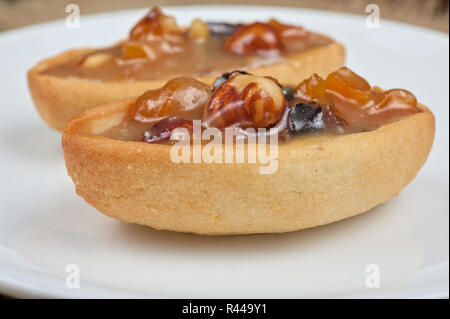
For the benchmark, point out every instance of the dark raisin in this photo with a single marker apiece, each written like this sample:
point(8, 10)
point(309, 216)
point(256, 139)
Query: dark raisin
point(160, 132)
point(225, 77)
point(288, 92)
point(305, 118)
point(219, 28)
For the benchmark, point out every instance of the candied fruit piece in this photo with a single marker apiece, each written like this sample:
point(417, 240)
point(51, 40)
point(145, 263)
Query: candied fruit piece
point(160, 133)
point(331, 121)
point(185, 97)
point(154, 25)
point(389, 106)
point(349, 102)
point(311, 89)
point(199, 30)
point(288, 92)
point(349, 85)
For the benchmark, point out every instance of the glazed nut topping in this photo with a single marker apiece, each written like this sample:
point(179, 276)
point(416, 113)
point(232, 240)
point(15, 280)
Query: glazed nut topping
point(199, 30)
point(95, 60)
point(245, 101)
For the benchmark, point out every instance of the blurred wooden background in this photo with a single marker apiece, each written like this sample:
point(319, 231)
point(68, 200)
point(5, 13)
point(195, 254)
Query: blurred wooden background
point(430, 13)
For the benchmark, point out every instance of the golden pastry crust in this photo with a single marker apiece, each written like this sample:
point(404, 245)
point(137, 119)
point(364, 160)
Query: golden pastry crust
point(58, 99)
point(319, 179)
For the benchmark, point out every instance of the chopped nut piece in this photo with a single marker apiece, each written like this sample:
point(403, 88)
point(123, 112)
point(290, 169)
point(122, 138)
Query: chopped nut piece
point(160, 133)
point(288, 31)
point(198, 30)
point(220, 28)
point(245, 101)
point(305, 118)
point(94, 60)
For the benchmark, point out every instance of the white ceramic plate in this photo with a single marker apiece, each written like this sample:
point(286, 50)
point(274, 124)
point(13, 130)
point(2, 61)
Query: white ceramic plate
point(44, 225)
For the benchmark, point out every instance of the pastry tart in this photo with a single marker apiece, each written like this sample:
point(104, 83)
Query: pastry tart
point(157, 50)
point(343, 147)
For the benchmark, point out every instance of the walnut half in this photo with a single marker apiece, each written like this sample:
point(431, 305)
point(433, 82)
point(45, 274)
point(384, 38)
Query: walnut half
point(245, 101)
